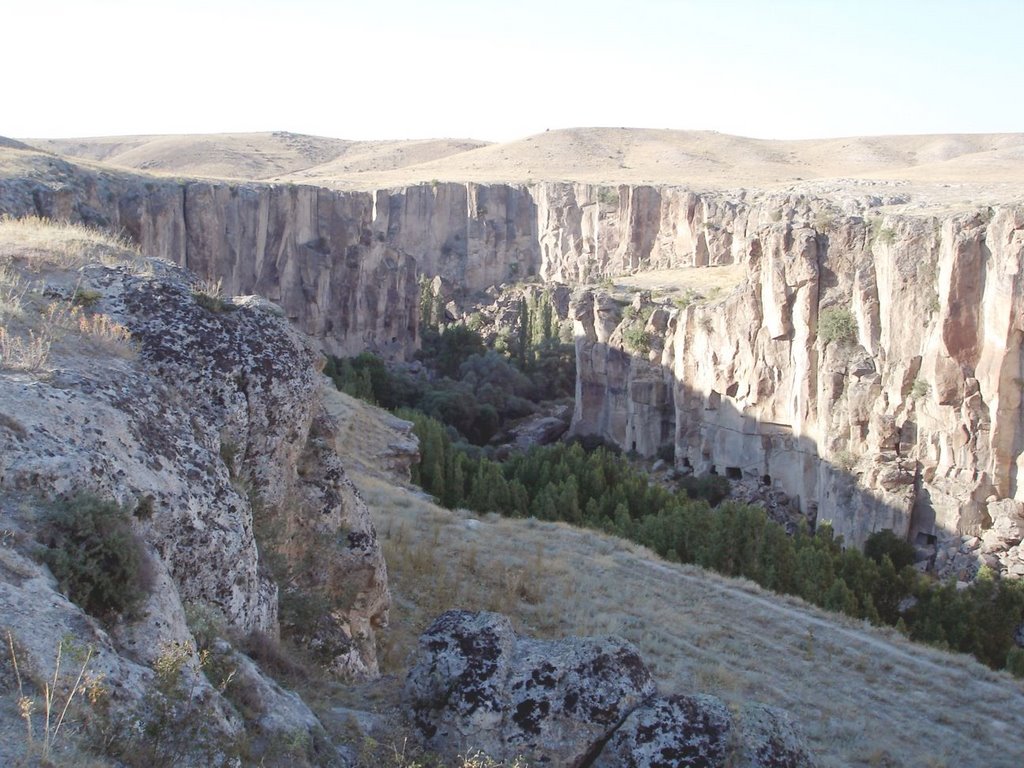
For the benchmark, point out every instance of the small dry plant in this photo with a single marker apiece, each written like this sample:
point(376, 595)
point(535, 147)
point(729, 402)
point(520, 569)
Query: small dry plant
point(24, 353)
point(30, 349)
point(57, 696)
point(408, 755)
point(209, 294)
point(12, 292)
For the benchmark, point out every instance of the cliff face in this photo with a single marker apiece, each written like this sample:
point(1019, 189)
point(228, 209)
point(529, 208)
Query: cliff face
point(345, 265)
point(870, 369)
point(907, 417)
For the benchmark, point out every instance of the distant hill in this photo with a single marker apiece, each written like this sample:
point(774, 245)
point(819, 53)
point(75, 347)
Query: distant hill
point(253, 156)
point(596, 155)
point(12, 144)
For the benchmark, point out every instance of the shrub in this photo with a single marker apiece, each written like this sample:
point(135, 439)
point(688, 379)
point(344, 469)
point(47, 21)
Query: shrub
point(844, 459)
point(1015, 662)
point(886, 543)
point(96, 557)
point(837, 325)
point(920, 389)
point(637, 339)
point(823, 221)
point(711, 488)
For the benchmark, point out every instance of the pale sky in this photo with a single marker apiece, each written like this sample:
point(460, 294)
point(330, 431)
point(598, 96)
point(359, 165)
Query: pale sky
point(503, 70)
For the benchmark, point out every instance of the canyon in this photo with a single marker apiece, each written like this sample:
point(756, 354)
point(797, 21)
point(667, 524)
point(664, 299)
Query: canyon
point(909, 419)
point(845, 350)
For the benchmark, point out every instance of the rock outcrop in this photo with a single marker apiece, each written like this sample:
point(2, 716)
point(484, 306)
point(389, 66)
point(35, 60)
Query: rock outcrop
point(204, 416)
point(909, 419)
point(870, 369)
point(476, 684)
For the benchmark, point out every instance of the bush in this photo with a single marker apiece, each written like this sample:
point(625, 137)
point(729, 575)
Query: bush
point(920, 389)
point(886, 543)
point(1015, 662)
point(637, 339)
point(96, 557)
point(711, 488)
point(837, 325)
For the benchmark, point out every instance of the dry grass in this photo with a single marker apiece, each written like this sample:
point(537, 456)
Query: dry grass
point(863, 696)
point(24, 353)
point(683, 285)
point(43, 244)
point(12, 292)
point(40, 261)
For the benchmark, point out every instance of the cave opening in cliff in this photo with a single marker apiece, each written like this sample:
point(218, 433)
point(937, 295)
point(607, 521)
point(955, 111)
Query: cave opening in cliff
point(733, 473)
point(766, 479)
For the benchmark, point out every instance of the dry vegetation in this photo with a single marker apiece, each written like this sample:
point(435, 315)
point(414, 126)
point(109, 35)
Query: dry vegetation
point(681, 286)
point(864, 696)
point(43, 299)
point(973, 164)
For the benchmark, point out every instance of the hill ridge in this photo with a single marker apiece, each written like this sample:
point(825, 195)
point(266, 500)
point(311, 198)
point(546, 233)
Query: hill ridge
point(594, 155)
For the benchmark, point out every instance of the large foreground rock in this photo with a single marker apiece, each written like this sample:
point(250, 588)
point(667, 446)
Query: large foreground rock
point(477, 685)
point(700, 731)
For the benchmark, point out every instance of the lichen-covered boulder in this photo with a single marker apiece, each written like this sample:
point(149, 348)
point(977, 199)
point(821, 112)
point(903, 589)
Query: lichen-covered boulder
point(700, 732)
point(671, 732)
point(769, 739)
point(475, 684)
point(210, 425)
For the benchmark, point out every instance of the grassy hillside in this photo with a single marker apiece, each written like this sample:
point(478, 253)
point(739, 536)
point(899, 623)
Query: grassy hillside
point(863, 696)
point(992, 162)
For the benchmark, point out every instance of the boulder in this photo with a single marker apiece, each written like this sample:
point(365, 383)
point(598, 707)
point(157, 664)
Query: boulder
point(475, 684)
point(671, 732)
point(679, 731)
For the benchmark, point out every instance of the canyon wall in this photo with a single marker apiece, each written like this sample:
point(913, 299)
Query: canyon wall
point(905, 414)
point(868, 367)
point(345, 266)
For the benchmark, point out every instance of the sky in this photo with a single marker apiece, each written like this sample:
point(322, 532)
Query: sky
point(499, 71)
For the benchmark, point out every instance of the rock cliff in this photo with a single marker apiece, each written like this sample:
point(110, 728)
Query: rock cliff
point(905, 414)
point(345, 265)
point(868, 366)
point(203, 415)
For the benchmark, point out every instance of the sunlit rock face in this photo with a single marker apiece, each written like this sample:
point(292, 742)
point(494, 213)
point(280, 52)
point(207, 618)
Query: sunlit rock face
point(869, 368)
point(908, 419)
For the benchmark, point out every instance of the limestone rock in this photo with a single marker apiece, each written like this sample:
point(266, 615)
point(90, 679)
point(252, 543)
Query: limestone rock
point(677, 731)
point(476, 685)
point(213, 421)
point(767, 738)
point(668, 732)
